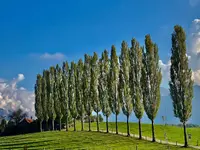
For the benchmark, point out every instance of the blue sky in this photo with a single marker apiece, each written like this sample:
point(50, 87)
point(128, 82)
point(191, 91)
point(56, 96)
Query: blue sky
point(32, 32)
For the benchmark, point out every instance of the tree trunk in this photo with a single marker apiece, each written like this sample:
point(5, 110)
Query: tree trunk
point(128, 129)
point(40, 125)
point(74, 124)
point(52, 124)
point(47, 126)
point(107, 124)
point(66, 123)
point(97, 121)
point(185, 135)
point(82, 124)
point(89, 121)
point(60, 124)
point(153, 134)
point(140, 130)
point(116, 123)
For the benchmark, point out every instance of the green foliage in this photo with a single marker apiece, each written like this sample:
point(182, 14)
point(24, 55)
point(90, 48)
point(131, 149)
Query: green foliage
point(94, 83)
point(181, 84)
point(72, 90)
point(114, 100)
point(79, 89)
point(38, 98)
point(136, 78)
point(124, 88)
point(57, 93)
point(51, 99)
point(45, 95)
point(103, 83)
point(86, 85)
point(151, 78)
point(17, 116)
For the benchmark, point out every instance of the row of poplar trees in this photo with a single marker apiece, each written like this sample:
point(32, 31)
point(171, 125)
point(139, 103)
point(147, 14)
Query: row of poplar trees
point(130, 82)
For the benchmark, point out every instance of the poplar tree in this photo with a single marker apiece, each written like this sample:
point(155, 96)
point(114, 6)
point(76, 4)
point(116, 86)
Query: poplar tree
point(124, 89)
point(45, 98)
point(57, 94)
point(79, 92)
point(113, 85)
point(94, 87)
point(48, 91)
point(103, 86)
point(51, 108)
point(86, 88)
point(65, 100)
point(72, 93)
point(38, 100)
point(151, 79)
point(136, 81)
point(181, 84)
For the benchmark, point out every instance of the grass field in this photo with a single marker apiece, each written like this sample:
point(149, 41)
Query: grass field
point(94, 140)
point(79, 140)
point(174, 133)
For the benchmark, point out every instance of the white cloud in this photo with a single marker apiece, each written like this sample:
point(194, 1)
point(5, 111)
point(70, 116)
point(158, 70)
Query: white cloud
point(165, 68)
point(12, 97)
point(194, 3)
point(56, 56)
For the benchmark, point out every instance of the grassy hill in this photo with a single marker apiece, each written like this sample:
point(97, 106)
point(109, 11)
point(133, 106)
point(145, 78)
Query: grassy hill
point(79, 140)
point(94, 140)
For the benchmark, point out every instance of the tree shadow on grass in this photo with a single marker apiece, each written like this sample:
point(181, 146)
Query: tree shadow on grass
point(22, 144)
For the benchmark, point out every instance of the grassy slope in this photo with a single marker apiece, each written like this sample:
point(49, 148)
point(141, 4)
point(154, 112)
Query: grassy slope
point(78, 140)
point(173, 133)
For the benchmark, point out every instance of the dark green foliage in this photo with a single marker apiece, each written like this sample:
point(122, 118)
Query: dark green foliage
point(181, 84)
point(38, 100)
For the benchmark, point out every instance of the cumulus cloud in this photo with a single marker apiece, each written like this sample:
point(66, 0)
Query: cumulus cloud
point(55, 56)
point(193, 54)
point(13, 98)
point(194, 3)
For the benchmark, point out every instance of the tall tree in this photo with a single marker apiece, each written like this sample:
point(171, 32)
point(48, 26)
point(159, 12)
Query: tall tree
point(151, 79)
point(103, 86)
point(94, 86)
point(51, 109)
point(136, 81)
point(65, 86)
point(72, 92)
point(79, 92)
point(115, 104)
point(181, 84)
point(124, 88)
point(57, 94)
point(48, 91)
point(86, 88)
point(45, 98)
point(38, 100)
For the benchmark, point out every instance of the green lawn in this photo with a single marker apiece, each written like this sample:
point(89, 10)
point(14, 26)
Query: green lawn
point(173, 133)
point(79, 140)
point(94, 140)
